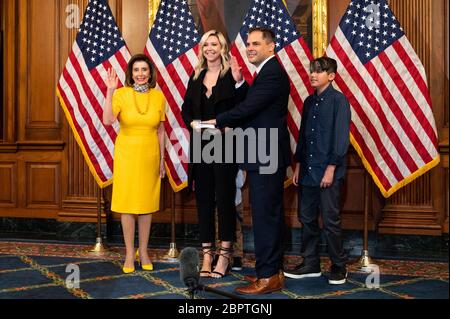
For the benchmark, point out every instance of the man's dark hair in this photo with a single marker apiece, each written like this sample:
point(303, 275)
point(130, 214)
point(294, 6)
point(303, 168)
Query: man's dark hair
point(268, 34)
point(323, 64)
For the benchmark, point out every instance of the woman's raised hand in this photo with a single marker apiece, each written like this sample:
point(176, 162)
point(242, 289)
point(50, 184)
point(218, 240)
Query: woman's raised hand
point(112, 80)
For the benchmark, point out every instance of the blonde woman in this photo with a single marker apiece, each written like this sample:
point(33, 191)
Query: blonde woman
point(212, 90)
point(138, 153)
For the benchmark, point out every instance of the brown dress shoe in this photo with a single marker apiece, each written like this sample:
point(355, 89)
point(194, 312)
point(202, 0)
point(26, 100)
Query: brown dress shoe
point(261, 286)
point(252, 279)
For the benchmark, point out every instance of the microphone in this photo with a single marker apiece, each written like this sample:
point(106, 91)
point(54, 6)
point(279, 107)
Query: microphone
point(189, 269)
point(190, 274)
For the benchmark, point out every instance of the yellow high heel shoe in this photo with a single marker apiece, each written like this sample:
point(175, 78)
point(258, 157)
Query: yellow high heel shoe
point(147, 267)
point(128, 270)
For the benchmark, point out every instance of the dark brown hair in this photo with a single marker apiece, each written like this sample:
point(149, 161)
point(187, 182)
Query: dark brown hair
point(267, 34)
point(323, 64)
point(129, 72)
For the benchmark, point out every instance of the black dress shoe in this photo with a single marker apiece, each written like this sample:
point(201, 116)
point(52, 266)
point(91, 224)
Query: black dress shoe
point(304, 271)
point(338, 275)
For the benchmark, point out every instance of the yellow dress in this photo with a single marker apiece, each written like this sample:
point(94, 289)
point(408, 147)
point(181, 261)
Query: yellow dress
point(136, 181)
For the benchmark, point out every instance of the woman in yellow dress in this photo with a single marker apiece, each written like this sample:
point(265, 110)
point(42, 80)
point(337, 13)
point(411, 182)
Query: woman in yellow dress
point(138, 153)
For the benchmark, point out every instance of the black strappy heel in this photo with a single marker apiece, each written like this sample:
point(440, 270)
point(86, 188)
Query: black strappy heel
point(207, 250)
point(225, 253)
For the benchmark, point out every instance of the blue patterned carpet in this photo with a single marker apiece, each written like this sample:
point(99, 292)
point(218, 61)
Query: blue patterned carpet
point(38, 271)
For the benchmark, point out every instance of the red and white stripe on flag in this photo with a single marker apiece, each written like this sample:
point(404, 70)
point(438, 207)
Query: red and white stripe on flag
point(393, 128)
point(82, 88)
point(291, 50)
point(173, 46)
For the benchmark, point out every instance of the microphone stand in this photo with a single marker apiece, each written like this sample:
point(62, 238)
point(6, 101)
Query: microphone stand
point(205, 288)
point(193, 286)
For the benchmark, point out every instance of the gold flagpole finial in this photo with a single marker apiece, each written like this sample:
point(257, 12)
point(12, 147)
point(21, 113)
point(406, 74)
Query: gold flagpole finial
point(153, 6)
point(320, 27)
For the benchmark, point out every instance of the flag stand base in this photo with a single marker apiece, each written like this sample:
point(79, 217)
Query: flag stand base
point(365, 263)
point(99, 248)
point(172, 254)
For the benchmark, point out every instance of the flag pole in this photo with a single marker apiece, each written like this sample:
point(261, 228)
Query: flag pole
point(172, 254)
point(99, 248)
point(365, 263)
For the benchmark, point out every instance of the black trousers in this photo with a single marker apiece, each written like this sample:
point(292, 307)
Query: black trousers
point(266, 200)
point(215, 184)
point(327, 201)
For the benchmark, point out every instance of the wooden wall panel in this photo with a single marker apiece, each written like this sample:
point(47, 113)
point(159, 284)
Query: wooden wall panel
point(38, 109)
point(2, 62)
point(8, 184)
point(81, 183)
point(9, 13)
point(43, 184)
point(444, 191)
point(445, 84)
point(42, 46)
point(415, 18)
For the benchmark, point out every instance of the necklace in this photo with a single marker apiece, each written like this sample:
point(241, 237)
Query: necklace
point(136, 104)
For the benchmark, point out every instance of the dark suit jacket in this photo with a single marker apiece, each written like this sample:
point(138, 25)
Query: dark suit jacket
point(225, 99)
point(265, 106)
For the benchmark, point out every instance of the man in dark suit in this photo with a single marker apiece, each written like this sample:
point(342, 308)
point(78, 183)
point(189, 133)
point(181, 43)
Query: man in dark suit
point(264, 110)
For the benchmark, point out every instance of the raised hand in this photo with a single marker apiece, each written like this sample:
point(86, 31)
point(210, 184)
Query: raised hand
point(236, 70)
point(112, 80)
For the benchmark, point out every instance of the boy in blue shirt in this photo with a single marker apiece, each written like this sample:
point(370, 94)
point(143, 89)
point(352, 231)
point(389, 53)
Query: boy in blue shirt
point(321, 163)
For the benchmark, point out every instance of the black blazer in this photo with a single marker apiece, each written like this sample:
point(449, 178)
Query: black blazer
point(265, 106)
point(225, 98)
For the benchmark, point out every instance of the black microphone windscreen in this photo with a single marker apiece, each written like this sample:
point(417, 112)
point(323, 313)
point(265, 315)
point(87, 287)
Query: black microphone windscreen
point(189, 269)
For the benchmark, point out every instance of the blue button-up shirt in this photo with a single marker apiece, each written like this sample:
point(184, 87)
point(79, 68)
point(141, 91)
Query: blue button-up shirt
point(324, 136)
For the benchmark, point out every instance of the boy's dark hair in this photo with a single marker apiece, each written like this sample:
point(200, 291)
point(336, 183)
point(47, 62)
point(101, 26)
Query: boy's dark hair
point(267, 34)
point(129, 72)
point(323, 64)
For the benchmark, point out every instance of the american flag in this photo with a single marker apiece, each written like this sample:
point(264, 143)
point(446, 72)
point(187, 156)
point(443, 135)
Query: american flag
point(393, 127)
point(291, 50)
point(173, 45)
point(82, 89)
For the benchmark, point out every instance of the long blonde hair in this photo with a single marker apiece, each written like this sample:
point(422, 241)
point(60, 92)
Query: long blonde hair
point(202, 64)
